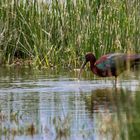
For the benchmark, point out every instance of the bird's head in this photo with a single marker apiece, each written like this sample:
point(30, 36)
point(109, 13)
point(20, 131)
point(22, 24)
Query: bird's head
point(89, 57)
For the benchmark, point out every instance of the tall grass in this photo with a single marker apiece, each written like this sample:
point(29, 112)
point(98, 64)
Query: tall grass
point(59, 33)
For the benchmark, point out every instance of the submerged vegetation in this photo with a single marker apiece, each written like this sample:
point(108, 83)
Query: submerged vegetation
point(59, 33)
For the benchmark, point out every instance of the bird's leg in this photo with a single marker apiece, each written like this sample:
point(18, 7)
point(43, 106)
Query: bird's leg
point(116, 84)
point(115, 81)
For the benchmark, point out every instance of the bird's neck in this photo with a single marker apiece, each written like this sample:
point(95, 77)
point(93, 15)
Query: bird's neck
point(92, 60)
point(92, 65)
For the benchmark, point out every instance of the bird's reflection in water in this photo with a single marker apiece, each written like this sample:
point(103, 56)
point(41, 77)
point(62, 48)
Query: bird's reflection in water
point(110, 111)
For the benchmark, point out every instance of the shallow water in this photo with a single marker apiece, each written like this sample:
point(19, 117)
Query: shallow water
point(55, 105)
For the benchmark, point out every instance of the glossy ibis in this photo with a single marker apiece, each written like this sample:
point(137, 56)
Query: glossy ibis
point(110, 64)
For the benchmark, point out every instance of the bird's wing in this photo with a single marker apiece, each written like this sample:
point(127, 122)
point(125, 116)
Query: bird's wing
point(111, 61)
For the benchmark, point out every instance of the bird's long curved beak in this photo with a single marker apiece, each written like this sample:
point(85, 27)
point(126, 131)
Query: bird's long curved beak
point(81, 69)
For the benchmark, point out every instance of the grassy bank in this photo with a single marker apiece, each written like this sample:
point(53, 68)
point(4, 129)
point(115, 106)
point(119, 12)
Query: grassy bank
point(59, 34)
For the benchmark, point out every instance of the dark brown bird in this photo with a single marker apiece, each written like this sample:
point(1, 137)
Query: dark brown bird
point(110, 64)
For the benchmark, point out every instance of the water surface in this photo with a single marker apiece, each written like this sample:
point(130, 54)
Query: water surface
point(55, 105)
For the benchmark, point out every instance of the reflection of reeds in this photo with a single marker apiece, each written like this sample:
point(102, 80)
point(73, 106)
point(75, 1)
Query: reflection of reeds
point(108, 126)
point(31, 130)
point(113, 114)
point(15, 128)
point(18, 130)
point(133, 118)
point(62, 127)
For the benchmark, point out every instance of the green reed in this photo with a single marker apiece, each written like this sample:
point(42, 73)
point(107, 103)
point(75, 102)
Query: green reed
point(60, 33)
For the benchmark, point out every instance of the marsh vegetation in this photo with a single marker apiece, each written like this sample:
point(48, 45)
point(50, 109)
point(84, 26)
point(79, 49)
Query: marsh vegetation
point(59, 33)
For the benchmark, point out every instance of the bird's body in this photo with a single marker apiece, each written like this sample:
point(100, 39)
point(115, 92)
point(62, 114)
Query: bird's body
point(114, 64)
point(111, 64)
